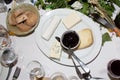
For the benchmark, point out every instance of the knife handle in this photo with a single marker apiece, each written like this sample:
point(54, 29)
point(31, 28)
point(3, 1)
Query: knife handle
point(117, 31)
point(16, 73)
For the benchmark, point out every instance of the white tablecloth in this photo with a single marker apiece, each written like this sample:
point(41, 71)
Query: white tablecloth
point(27, 50)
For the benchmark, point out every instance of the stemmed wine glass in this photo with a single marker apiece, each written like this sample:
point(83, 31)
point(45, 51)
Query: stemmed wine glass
point(8, 59)
point(5, 40)
point(58, 76)
point(35, 70)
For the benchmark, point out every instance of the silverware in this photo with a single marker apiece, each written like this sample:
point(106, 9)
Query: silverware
point(16, 73)
point(86, 75)
point(82, 64)
point(70, 52)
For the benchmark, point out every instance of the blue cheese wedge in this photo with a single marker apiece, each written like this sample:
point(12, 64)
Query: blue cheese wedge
point(56, 50)
point(71, 20)
point(51, 28)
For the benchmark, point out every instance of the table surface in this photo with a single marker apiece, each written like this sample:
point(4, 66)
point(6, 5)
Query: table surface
point(29, 51)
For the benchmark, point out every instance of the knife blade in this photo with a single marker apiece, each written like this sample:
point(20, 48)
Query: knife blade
point(105, 23)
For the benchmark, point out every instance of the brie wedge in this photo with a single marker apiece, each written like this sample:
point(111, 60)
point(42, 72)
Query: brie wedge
point(51, 28)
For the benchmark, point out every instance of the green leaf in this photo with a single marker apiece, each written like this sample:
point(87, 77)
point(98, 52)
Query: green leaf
point(58, 4)
point(85, 8)
point(117, 2)
point(105, 37)
point(42, 3)
point(108, 6)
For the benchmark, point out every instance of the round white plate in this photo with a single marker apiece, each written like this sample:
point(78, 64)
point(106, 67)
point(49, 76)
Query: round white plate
point(86, 55)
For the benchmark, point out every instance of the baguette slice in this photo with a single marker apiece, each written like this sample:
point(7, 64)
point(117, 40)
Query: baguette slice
point(21, 18)
point(11, 19)
point(18, 12)
point(86, 38)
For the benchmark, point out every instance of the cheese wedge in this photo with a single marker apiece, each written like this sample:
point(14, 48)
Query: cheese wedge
point(51, 28)
point(71, 20)
point(56, 50)
point(86, 38)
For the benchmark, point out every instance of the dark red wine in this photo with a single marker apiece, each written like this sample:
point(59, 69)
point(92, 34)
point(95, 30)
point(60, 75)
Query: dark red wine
point(117, 20)
point(115, 68)
point(70, 39)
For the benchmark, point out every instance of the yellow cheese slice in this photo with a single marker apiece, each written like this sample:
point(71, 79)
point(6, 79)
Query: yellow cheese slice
point(86, 38)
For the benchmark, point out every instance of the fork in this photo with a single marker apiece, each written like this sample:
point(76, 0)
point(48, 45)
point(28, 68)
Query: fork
point(86, 75)
point(82, 65)
point(76, 67)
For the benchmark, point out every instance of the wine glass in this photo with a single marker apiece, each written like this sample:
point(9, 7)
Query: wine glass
point(5, 40)
point(35, 70)
point(8, 59)
point(3, 7)
point(73, 78)
point(58, 76)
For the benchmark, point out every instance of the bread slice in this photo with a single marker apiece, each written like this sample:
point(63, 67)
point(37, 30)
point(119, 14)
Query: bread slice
point(86, 38)
point(21, 18)
point(11, 19)
point(23, 27)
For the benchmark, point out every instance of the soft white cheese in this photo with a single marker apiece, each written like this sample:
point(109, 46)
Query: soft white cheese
point(51, 28)
point(71, 20)
point(56, 50)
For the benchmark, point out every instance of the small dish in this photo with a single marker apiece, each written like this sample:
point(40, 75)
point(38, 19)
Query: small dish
point(35, 70)
point(70, 39)
point(14, 28)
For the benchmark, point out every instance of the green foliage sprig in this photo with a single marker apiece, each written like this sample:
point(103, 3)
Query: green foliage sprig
point(87, 7)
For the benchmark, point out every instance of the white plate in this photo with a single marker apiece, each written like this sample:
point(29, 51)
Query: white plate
point(86, 55)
